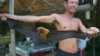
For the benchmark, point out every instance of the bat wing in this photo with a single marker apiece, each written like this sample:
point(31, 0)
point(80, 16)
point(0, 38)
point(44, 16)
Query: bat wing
point(24, 29)
point(52, 38)
point(56, 36)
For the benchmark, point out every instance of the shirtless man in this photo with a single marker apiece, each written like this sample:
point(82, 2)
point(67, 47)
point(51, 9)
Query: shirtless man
point(63, 22)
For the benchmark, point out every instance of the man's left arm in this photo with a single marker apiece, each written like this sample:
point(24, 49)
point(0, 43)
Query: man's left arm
point(92, 31)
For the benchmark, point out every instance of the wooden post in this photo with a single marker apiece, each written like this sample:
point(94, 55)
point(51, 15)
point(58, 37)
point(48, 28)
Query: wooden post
point(12, 32)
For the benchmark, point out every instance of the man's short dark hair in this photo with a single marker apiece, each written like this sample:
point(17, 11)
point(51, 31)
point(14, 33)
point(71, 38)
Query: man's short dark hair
point(66, 0)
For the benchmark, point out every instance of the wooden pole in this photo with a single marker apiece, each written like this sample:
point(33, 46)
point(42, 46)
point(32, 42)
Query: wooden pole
point(12, 32)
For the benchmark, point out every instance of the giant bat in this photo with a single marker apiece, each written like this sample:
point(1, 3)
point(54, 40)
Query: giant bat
point(52, 37)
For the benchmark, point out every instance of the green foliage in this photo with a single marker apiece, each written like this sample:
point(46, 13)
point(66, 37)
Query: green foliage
point(4, 39)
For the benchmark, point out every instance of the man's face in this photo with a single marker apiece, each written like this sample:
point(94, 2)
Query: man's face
point(71, 6)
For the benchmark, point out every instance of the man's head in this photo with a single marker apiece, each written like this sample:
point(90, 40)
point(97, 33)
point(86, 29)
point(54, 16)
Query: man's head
point(71, 5)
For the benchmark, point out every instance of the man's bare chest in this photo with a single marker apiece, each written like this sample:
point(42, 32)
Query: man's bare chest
point(68, 24)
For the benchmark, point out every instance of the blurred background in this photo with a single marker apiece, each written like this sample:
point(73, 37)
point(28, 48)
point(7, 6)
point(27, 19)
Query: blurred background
point(90, 16)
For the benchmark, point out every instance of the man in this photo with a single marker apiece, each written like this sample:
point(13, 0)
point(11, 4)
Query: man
point(63, 22)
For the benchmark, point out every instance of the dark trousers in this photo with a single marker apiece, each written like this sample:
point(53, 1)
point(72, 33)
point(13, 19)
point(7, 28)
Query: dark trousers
point(62, 53)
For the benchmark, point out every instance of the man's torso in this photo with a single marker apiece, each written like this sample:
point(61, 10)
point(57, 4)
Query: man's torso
point(63, 24)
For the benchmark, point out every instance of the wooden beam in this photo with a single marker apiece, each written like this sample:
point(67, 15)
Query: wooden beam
point(82, 8)
point(52, 5)
point(50, 11)
point(12, 32)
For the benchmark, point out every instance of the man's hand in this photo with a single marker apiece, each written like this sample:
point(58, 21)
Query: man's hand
point(3, 17)
point(93, 32)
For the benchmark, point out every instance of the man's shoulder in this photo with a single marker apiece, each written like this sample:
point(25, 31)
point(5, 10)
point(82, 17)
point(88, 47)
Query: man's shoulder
point(55, 15)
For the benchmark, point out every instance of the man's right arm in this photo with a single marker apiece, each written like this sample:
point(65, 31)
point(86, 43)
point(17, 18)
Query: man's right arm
point(30, 19)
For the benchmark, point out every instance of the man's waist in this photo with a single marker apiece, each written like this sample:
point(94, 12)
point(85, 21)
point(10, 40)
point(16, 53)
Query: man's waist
point(69, 50)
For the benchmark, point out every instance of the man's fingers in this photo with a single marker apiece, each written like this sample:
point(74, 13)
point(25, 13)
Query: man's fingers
point(98, 30)
point(92, 33)
point(3, 17)
point(94, 29)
